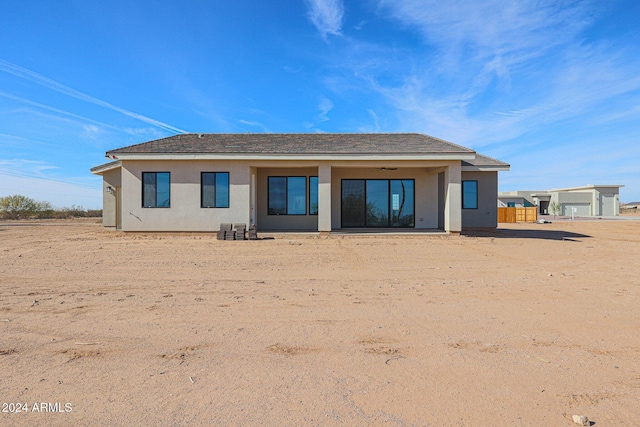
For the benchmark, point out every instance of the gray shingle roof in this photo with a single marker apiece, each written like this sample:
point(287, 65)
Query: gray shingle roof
point(482, 160)
point(104, 166)
point(292, 143)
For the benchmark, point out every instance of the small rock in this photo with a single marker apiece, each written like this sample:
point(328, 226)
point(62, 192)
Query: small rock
point(581, 420)
point(550, 275)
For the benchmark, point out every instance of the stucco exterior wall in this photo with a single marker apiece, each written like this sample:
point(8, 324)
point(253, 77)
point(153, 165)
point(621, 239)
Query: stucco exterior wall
point(426, 191)
point(609, 203)
point(283, 222)
point(185, 213)
point(110, 179)
point(518, 202)
point(486, 216)
point(437, 194)
point(576, 197)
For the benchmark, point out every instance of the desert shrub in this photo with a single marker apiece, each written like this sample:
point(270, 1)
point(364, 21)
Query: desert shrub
point(18, 206)
point(22, 207)
point(555, 208)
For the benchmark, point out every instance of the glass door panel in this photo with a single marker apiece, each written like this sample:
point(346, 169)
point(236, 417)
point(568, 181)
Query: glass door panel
point(353, 203)
point(402, 203)
point(377, 203)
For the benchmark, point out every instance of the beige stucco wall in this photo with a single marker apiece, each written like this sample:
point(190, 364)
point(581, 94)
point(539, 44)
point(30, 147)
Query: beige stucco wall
point(110, 179)
point(453, 197)
point(248, 193)
point(486, 216)
point(609, 202)
point(602, 200)
point(185, 213)
point(283, 222)
point(426, 191)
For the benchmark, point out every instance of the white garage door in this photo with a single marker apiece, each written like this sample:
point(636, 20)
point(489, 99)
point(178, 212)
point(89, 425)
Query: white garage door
point(608, 204)
point(582, 209)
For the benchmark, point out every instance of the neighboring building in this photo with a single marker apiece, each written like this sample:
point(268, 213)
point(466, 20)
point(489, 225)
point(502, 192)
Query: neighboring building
point(589, 200)
point(305, 182)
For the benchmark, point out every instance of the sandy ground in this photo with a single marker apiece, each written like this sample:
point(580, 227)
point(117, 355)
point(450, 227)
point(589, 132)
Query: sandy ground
point(522, 327)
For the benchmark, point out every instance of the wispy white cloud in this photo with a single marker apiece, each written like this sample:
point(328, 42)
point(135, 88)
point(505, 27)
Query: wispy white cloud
point(292, 70)
point(483, 78)
point(376, 122)
point(144, 133)
point(360, 25)
point(325, 106)
point(484, 30)
point(41, 180)
point(58, 192)
point(41, 170)
point(41, 80)
point(17, 166)
point(7, 139)
point(81, 121)
point(327, 16)
point(262, 127)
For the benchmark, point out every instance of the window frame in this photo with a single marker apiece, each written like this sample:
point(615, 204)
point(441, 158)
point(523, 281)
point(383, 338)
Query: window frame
point(389, 203)
point(215, 190)
point(464, 199)
point(286, 195)
point(155, 206)
point(317, 196)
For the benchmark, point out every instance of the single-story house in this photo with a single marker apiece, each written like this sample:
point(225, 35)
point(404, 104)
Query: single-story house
point(299, 182)
point(588, 200)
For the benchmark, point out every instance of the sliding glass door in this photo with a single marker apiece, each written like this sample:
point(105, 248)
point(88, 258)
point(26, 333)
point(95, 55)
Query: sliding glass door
point(378, 203)
point(353, 205)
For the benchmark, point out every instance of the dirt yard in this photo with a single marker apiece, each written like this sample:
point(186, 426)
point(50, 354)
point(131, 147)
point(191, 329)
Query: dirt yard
point(526, 326)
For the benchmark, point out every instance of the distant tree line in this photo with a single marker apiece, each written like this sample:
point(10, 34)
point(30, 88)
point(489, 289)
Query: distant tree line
point(22, 207)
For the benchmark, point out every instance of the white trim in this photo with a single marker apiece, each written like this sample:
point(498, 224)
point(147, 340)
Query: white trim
point(99, 170)
point(312, 157)
point(487, 168)
point(586, 187)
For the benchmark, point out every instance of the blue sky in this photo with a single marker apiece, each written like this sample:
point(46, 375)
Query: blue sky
point(551, 87)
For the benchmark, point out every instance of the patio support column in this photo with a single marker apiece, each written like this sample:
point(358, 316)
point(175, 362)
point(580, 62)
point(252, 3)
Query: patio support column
point(453, 198)
point(253, 213)
point(324, 198)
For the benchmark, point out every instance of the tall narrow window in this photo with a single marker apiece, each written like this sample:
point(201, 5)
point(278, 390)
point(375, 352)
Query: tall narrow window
point(313, 195)
point(353, 203)
point(287, 195)
point(277, 195)
point(297, 195)
point(469, 194)
point(215, 190)
point(156, 189)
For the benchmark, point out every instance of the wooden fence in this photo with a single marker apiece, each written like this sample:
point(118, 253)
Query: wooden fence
point(518, 214)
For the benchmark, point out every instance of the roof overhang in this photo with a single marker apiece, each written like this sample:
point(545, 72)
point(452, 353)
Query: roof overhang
point(586, 187)
point(99, 170)
point(298, 157)
point(487, 168)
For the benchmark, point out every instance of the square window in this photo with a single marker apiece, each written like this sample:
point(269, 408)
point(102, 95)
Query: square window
point(156, 189)
point(214, 190)
point(287, 195)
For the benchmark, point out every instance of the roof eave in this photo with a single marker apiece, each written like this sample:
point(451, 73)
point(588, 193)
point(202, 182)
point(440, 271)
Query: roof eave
point(300, 156)
point(486, 168)
point(99, 170)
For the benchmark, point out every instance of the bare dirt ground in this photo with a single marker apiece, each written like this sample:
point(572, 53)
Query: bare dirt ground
point(522, 327)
